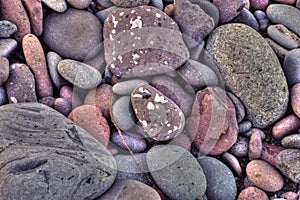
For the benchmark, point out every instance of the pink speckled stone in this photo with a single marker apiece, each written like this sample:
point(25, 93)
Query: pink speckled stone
point(259, 4)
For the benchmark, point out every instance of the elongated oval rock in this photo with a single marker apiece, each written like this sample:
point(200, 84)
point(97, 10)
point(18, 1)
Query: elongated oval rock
point(126, 87)
point(45, 155)
point(7, 29)
point(7, 47)
point(35, 11)
point(79, 74)
point(250, 70)
point(159, 116)
point(176, 172)
point(4, 70)
point(52, 60)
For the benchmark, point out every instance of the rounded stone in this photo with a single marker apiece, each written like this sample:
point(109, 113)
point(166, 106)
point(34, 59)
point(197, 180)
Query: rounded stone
point(259, 4)
point(239, 107)
point(35, 11)
point(270, 152)
point(103, 14)
point(295, 97)
point(288, 162)
point(251, 193)
point(209, 8)
point(291, 66)
point(127, 87)
point(291, 141)
point(70, 95)
point(3, 96)
point(52, 61)
point(135, 143)
point(233, 163)
point(183, 141)
point(247, 18)
point(289, 195)
point(279, 50)
point(4, 70)
point(240, 147)
point(252, 130)
point(79, 4)
point(7, 47)
point(229, 9)
point(288, 125)
point(220, 180)
point(7, 29)
point(255, 146)
point(253, 74)
point(244, 126)
point(63, 106)
point(56, 5)
point(72, 34)
point(79, 74)
point(176, 172)
point(48, 101)
point(264, 176)
point(130, 3)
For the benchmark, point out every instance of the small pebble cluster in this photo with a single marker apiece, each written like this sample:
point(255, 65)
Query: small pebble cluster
point(150, 99)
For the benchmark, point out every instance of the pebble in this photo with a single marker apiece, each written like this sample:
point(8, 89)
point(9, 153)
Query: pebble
point(56, 5)
point(103, 14)
point(291, 141)
point(4, 70)
point(183, 141)
point(192, 20)
point(79, 74)
point(105, 3)
point(48, 101)
point(79, 4)
point(260, 83)
point(176, 172)
point(287, 15)
point(14, 12)
point(157, 4)
point(143, 48)
point(255, 146)
point(102, 97)
point(291, 2)
point(229, 9)
point(198, 75)
point(270, 152)
point(246, 17)
point(233, 163)
point(130, 189)
point(20, 85)
point(48, 151)
point(283, 36)
point(209, 8)
point(169, 10)
point(90, 118)
point(162, 119)
point(295, 96)
point(128, 169)
point(220, 180)
point(7, 47)
point(288, 162)
point(70, 95)
point(291, 66)
point(127, 87)
point(298, 4)
point(244, 126)
point(240, 147)
point(72, 34)
point(123, 113)
point(279, 50)
point(63, 106)
point(130, 3)
point(262, 19)
point(259, 4)
point(286, 126)
point(290, 196)
point(239, 107)
point(3, 96)
point(36, 61)
point(252, 130)
point(135, 143)
point(35, 11)
point(264, 176)
point(251, 193)
point(52, 61)
point(211, 107)
point(7, 29)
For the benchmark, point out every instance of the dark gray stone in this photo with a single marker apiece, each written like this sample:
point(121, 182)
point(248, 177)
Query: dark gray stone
point(135, 143)
point(46, 156)
point(176, 172)
point(7, 47)
point(105, 3)
point(291, 66)
point(288, 162)
point(7, 29)
point(246, 17)
point(52, 62)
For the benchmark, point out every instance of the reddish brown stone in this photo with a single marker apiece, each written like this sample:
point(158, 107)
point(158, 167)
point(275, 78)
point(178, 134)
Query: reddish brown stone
point(251, 193)
point(36, 61)
point(169, 10)
point(270, 152)
point(255, 146)
point(286, 126)
point(212, 125)
point(295, 99)
point(90, 118)
point(14, 11)
point(35, 11)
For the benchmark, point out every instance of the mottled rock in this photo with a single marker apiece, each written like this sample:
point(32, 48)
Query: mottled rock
point(72, 34)
point(244, 126)
point(130, 3)
point(253, 74)
point(135, 143)
point(288, 162)
point(209, 8)
point(160, 118)
point(7, 29)
point(291, 66)
point(103, 14)
point(251, 193)
point(233, 163)
point(183, 141)
point(52, 61)
point(286, 1)
point(7, 47)
point(63, 106)
point(291, 141)
point(270, 152)
point(51, 152)
point(252, 130)
point(169, 10)
point(255, 146)
point(126, 87)
point(229, 9)
point(48, 101)
point(57, 5)
point(240, 147)
point(289, 196)
point(259, 4)
point(157, 4)
point(288, 125)
point(35, 11)
point(79, 4)
point(70, 95)
point(295, 97)
point(4, 70)
point(176, 172)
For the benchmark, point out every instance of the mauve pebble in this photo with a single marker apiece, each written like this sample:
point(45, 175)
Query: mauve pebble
point(90, 118)
point(135, 143)
point(233, 163)
point(67, 93)
point(252, 193)
point(130, 3)
point(270, 152)
point(103, 14)
point(295, 99)
point(252, 130)
point(290, 196)
point(14, 11)
point(264, 176)
point(209, 8)
point(262, 19)
point(7, 47)
point(35, 11)
point(259, 4)
point(291, 2)
point(183, 141)
point(56, 5)
point(291, 141)
point(126, 87)
point(3, 96)
point(279, 50)
point(169, 10)
point(36, 61)
point(291, 66)
point(229, 9)
point(288, 162)
point(52, 60)
point(63, 106)
point(7, 29)
point(20, 85)
point(102, 97)
point(240, 147)
point(79, 4)
point(157, 3)
point(244, 126)
point(239, 107)
point(286, 126)
point(4, 70)
point(48, 101)
point(246, 17)
point(255, 146)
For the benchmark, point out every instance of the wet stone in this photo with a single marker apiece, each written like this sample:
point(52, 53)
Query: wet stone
point(160, 118)
point(7, 29)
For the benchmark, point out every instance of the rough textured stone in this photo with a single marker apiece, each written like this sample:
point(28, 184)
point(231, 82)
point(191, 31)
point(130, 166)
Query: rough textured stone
point(7, 29)
point(291, 66)
point(4, 70)
point(288, 125)
point(127, 86)
point(57, 5)
point(291, 141)
point(251, 193)
point(176, 172)
point(35, 11)
point(288, 162)
point(279, 50)
point(270, 152)
point(209, 8)
point(229, 9)
point(240, 147)
point(259, 4)
point(71, 95)
point(130, 3)
point(46, 156)
point(253, 74)
point(255, 146)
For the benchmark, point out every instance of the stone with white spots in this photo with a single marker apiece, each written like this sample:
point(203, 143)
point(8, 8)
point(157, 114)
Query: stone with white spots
point(130, 3)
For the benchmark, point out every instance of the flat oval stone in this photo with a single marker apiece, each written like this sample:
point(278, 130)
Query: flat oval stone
point(246, 17)
point(63, 106)
point(20, 85)
point(239, 107)
point(46, 149)
point(130, 3)
point(56, 5)
point(233, 163)
point(255, 146)
point(176, 172)
point(291, 141)
point(253, 74)
point(4, 70)
point(220, 180)
point(279, 50)
point(250, 193)
point(160, 118)
point(244, 126)
point(253, 130)
point(264, 176)
point(287, 15)
point(79, 4)
point(130, 189)
point(72, 34)
point(295, 97)
point(3, 96)
point(7, 29)
point(135, 143)
point(52, 62)
point(126, 87)
point(7, 47)
point(288, 162)
point(79, 74)
point(240, 147)
point(291, 66)
point(286, 126)
point(35, 12)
